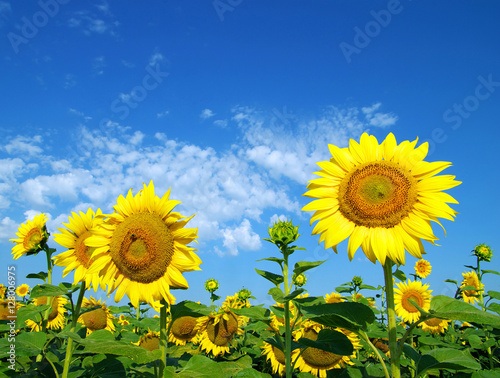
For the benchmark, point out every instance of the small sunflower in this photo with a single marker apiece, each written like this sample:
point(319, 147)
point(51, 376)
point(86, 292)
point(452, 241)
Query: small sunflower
point(23, 290)
point(423, 268)
point(217, 331)
point(317, 361)
point(434, 325)
point(142, 249)
point(484, 252)
point(183, 330)
point(238, 300)
point(122, 320)
point(3, 289)
point(32, 236)
point(211, 285)
point(415, 291)
point(276, 357)
point(149, 341)
point(100, 318)
point(382, 197)
point(471, 279)
point(334, 298)
point(299, 280)
point(56, 317)
point(78, 255)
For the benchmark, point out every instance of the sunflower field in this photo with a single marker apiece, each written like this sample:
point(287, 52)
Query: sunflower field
point(381, 197)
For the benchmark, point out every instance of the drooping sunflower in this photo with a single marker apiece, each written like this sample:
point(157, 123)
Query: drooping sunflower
point(100, 318)
point(217, 332)
point(382, 197)
point(183, 330)
point(423, 268)
point(22, 290)
point(334, 298)
point(275, 357)
point(415, 291)
point(149, 341)
point(56, 317)
point(142, 249)
point(316, 361)
point(78, 255)
point(434, 325)
point(32, 235)
point(471, 279)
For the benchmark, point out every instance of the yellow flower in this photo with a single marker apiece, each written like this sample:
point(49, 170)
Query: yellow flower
point(276, 357)
point(3, 289)
point(434, 325)
point(183, 330)
point(236, 301)
point(23, 290)
point(8, 310)
point(299, 280)
point(149, 341)
point(423, 268)
point(471, 279)
point(78, 255)
point(56, 317)
point(416, 292)
point(142, 249)
point(382, 197)
point(100, 318)
point(217, 331)
point(334, 298)
point(32, 235)
point(122, 320)
point(211, 285)
point(358, 297)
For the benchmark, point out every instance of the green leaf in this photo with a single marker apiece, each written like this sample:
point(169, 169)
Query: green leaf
point(277, 294)
point(343, 289)
point(330, 341)
point(277, 311)
point(40, 275)
point(70, 288)
point(46, 290)
point(494, 307)
point(444, 307)
point(274, 259)
point(189, 308)
point(400, 275)
point(119, 310)
point(451, 281)
point(231, 368)
point(446, 358)
point(302, 266)
point(352, 316)
point(293, 294)
point(30, 343)
point(494, 294)
point(495, 373)
point(30, 312)
point(254, 312)
point(251, 373)
point(309, 301)
point(368, 287)
point(200, 366)
point(491, 272)
point(276, 279)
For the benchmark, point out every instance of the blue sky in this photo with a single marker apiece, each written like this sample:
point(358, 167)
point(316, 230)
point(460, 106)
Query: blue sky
point(231, 104)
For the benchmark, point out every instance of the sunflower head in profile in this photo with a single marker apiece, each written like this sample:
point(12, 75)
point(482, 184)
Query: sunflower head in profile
point(217, 331)
point(22, 290)
point(275, 357)
point(57, 315)
point(142, 248)
point(382, 197)
point(317, 361)
point(416, 292)
point(334, 298)
point(78, 255)
point(423, 268)
point(435, 326)
point(183, 330)
point(149, 341)
point(471, 295)
point(31, 236)
point(100, 318)
point(239, 300)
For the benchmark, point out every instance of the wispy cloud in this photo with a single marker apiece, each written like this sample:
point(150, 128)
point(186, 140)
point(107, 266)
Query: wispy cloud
point(162, 114)
point(206, 114)
point(378, 119)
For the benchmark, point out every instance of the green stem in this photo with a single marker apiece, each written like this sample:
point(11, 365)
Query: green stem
point(481, 299)
point(391, 318)
point(288, 331)
point(50, 300)
point(76, 315)
point(163, 337)
point(365, 337)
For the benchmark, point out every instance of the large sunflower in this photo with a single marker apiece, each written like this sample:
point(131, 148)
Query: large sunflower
point(149, 341)
point(416, 292)
point(217, 332)
point(382, 197)
point(78, 255)
point(471, 279)
point(32, 235)
point(183, 330)
point(275, 357)
point(142, 249)
point(434, 325)
point(56, 317)
point(100, 318)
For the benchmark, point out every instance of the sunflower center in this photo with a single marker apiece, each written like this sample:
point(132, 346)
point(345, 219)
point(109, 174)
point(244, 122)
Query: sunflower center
point(82, 252)
point(142, 247)
point(470, 281)
point(95, 319)
point(32, 238)
point(184, 327)
point(55, 304)
point(318, 358)
point(150, 343)
point(377, 194)
point(433, 322)
point(415, 298)
point(222, 332)
point(279, 355)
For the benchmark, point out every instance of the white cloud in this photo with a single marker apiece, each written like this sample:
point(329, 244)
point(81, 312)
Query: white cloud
point(8, 228)
point(206, 113)
point(222, 123)
point(241, 237)
point(162, 114)
point(379, 119)
point(24, 145)
point(275, 218)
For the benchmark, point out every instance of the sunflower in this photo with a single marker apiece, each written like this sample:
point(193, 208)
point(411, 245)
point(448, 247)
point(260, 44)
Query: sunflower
point(183, 330)
point(434, 325)
point(211, 285)
point(23, 290)
point(32, 236)
point(276, 357)
point(423, 268)
point(334, 298)
point(3, 289)
point(358, 297)
point(238, 300)
point(149, 341)
point(78, 255)
point(317, 361)
point(483, 252)
point(8, 310)
point(416, 292)
point(142, 249)
point(100, 318)
point(299, 280)
point(122, 320)
point(217, 331)
point(471, 279)
point(382, 197)
point(56, 317)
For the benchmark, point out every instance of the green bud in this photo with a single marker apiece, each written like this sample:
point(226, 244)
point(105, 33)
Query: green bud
point(484, 252)
point(244, 294)
point(357, 281)
point(283, 232)
point(211, 285)
point(299, 280)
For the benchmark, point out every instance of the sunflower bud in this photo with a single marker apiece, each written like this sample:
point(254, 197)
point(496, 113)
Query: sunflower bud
point(357, 281)
point(211, 285)
point(484, 252)
point(299, 280)
point(283, 232)
point(244, 294)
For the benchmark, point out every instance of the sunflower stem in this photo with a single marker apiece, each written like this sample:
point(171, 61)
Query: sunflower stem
point(163, 337)
point(481, 301)
point(365, 337)
point(45, 319)
point(391, 319)
point(75, 316)
point(288, 333)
